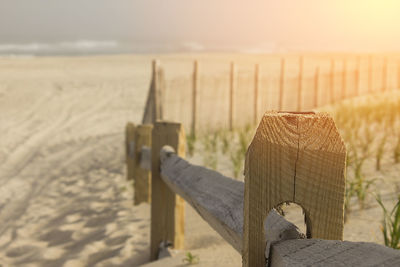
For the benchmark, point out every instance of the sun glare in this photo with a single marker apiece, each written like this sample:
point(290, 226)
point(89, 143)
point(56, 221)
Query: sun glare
point(373, 14)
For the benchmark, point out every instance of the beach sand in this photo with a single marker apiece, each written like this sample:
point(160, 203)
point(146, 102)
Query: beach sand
point(64, 198)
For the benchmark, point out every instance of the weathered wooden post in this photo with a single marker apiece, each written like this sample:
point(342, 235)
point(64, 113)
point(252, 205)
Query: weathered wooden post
point(344, 79)
point(370, 73)
point(299, 158)
point(129, 149)
point(316, 86)
point(357, 77)
point(160, 93)
point(153, 110)
point(142, 177)
point(384, 74)
point(300, 84)
point(332, 82)
point(232, 95)
point(167, 209)
point(281, 84)
point(256, 85)
point(195, 83)
point(398, 74)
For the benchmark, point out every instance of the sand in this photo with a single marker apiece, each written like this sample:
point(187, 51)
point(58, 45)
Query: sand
point(64, 199)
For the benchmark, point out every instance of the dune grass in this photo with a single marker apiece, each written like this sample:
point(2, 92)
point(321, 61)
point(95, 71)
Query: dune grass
point(390, 224)
point(370, 128)
point(191, 259)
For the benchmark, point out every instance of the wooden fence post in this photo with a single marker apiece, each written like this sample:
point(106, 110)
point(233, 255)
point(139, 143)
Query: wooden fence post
point(357, 77)
point(398, 74)
point(281, 83)
point(332, 82)
point(232, 95)
point(370, 73)
point(300, 84)
point(297, 158)
point(256, 85)
point(316, 86)
point(160, 92)
point(384, 74)
point(153, 110)
point(142, 177)
point(129, 149)
point(344, 79)
point(195, 82)
point(167, 209)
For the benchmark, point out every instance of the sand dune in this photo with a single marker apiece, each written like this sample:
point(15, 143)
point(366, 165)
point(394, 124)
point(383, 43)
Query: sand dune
point(64, 200)
point(63, 195)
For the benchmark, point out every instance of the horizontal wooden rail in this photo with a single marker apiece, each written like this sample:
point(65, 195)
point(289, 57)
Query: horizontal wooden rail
point(218, 199)
point(332, 253)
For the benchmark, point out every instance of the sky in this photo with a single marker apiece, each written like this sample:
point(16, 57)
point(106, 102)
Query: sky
point(253, 25)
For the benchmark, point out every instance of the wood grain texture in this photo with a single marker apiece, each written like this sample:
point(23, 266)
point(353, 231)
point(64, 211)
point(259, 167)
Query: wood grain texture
point(218, 199)
point(129, 139)
point(316, 252)
point(296, 158)
point(167, 209)
point(142, 177)
point(320, 175)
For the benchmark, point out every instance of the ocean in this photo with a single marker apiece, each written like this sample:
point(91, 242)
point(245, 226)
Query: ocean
point(66, 48)
point(104, 47)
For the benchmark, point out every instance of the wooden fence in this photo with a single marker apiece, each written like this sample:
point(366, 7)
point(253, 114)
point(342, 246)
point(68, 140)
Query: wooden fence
point(293, 157)
point(299, 84)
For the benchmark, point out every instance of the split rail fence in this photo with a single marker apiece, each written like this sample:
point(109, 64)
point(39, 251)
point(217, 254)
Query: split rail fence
point(293, 158)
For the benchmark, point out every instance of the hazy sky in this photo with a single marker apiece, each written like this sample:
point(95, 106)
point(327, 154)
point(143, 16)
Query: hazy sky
point(294, 24)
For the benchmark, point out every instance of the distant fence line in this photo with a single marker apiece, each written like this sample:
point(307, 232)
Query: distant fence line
point(222, 100)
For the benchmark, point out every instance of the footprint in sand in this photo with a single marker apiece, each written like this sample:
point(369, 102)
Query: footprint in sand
point(21, 251)
point(57, 237)
point(117, 240)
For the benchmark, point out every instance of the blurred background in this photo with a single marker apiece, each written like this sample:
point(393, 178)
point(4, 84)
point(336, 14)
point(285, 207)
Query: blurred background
point(73, 73)
point(44, 27)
